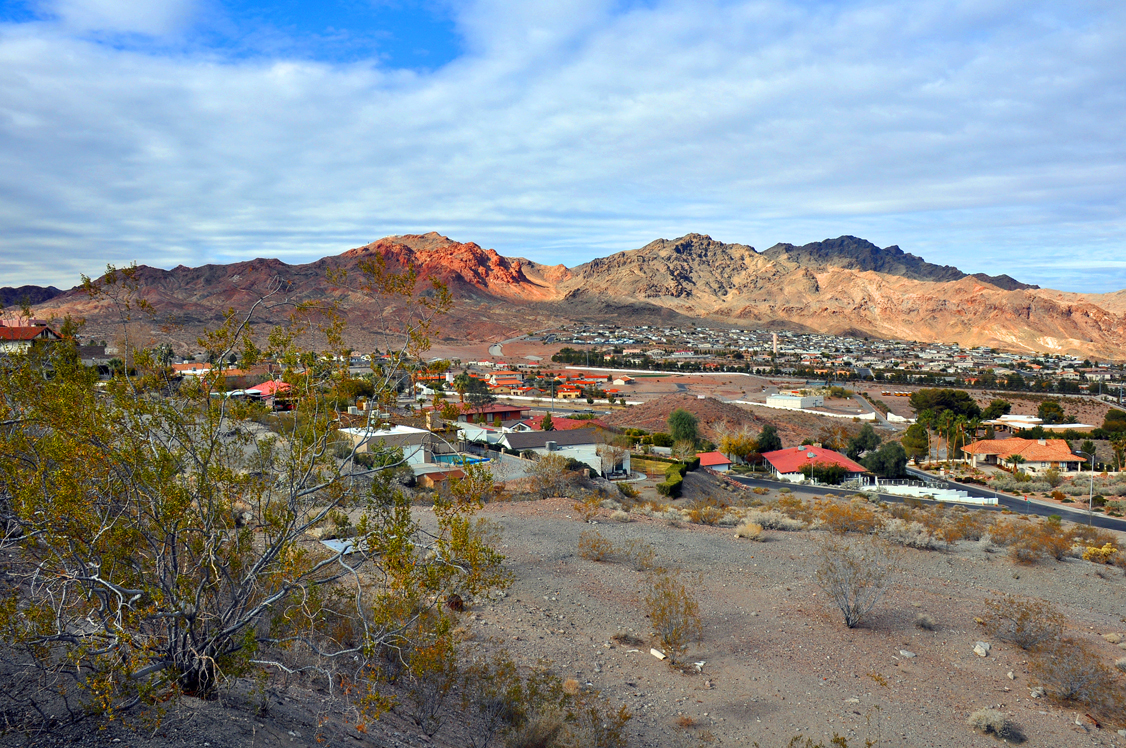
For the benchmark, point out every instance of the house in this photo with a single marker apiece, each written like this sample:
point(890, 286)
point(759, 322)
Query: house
point(418, 445)
point(579, 444)
point(1015, 423)
point(507, 414)
point(794, 402)
point(20, 339)
point(271, 392)
point(432, 479)
point(1039, 455)
point(787, 463)
point(717, 461)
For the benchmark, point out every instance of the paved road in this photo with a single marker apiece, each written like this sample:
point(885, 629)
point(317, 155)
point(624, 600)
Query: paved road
point(1030, 507)
point(867, 407)
point(1004, 500)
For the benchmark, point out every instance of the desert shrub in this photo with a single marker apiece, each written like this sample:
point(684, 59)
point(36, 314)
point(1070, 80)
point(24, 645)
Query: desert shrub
point(749, 530)
point(925, 621)
point(795, 507)
point(843, 518)
point(1071, 672)
point(995, 723)
point(972, 525)
point(1085, 535)
point(1027, 623)
point(639, 553)
point(587, 507)
point(620, 516)
point(534, 708)
point(909, 534)
point(626, 490)
point(855, 575)
point(1101, 555)
point(706, 511)
point(550, 476)
point(594, 547)
point(772, 520)
point(760, 491)
point(674, 612)
point(1120, 663)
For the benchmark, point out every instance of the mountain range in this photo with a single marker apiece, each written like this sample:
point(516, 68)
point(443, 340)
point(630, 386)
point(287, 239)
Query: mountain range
point(842, 286)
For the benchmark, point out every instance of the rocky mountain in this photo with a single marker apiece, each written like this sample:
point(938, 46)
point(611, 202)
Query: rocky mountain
point(13, 297)
point(843, 285)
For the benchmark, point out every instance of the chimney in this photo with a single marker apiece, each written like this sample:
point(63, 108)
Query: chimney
point(1042, 442)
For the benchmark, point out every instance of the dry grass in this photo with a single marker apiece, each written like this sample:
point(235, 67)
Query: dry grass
point(750, 531)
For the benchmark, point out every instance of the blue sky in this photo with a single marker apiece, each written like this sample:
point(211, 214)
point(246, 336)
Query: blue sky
point(983, 134)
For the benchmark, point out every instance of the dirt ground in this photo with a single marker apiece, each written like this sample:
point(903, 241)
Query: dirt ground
point(777, 660)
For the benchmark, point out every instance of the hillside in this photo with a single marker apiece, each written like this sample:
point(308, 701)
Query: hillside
point(843, 285)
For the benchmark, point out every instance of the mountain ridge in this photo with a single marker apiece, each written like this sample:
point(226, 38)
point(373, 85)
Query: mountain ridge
point(842, 285)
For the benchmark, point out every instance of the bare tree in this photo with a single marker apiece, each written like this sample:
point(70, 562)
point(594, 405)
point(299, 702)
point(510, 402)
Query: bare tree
point(855, 574)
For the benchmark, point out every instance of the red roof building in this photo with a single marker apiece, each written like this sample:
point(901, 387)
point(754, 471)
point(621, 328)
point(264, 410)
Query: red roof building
point(787, 463)
point(21, 338)
point(1038, 455)
point(715, 460)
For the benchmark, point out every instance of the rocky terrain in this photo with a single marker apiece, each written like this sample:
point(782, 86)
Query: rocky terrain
point(776, 659)
point(844, 285)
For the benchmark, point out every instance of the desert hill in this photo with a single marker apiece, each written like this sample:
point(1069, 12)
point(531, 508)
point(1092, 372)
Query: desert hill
point(844, 285)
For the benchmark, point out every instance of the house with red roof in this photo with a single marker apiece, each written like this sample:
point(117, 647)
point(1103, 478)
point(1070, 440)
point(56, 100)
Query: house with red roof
point(19, 339)
point(717, 461)
point(787, 463)
point(1038, 455)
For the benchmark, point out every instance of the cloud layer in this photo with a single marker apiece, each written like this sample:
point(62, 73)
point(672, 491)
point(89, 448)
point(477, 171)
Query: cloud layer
point(982, 134)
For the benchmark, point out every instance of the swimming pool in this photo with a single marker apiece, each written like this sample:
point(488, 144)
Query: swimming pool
point(459, 459)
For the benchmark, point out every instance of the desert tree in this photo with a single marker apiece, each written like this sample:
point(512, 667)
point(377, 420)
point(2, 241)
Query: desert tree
point(683, 426)
point(157, 536)
point(673, 610)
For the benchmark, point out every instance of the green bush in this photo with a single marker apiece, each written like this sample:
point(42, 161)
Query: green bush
point(672, 485)
point(661, 439)
point(693, 464)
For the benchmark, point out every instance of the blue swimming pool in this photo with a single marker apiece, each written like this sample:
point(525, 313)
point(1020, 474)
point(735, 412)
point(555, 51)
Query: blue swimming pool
point(459, 459)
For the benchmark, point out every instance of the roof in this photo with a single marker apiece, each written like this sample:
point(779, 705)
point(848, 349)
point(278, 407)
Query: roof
point(1052, 450)
point(790, 460)
point(494, 408)
point(37, 332)
point(267, 389)
point(539, 439)
point(708, 459)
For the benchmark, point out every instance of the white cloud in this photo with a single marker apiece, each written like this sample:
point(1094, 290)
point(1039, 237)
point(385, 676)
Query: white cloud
point(986, 135)
point(149, 17)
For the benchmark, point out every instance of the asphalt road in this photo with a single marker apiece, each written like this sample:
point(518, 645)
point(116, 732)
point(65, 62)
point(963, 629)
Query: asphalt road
point(1003, 500)
point(1032, 506)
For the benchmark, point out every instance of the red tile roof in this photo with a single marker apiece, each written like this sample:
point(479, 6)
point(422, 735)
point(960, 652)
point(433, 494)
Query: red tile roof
point(27, 333)
point(1052, 450)
point(708, 459)
point(268, 389)
point(790, 460)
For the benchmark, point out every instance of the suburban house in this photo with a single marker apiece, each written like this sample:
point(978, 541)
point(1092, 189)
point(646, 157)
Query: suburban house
point(20, 339)
point(1038, 455)
point(507, 414)
point(787, 463)
point(1016, 423)
point(418, 445)
point(717, 461)
point(794, 402)
point(580, 444)
point(270, 391)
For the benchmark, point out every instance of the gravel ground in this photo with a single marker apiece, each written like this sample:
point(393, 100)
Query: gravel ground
point(777, 661)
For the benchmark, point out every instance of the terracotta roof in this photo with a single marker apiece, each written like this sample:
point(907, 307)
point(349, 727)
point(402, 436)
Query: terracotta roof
point(266, 389)
point(790, 460)
point(708, 459)
point(1052, 450)
point(27, 333)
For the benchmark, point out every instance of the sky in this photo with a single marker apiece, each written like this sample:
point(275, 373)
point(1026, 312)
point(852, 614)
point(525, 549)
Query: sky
point(986, 134)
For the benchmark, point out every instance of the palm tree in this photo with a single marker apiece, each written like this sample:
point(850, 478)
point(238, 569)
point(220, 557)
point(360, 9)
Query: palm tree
point(960, 430)
point(926, 419)
point(945, 427)
point(1013, 461)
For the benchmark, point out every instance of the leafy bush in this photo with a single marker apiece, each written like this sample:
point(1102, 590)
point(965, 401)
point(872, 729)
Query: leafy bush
point(1027, 623)
point(671, 485)
point(706, 511)
point(1101, 555)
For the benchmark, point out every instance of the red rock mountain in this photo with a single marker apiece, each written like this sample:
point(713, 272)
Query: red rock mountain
point(844, 285)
